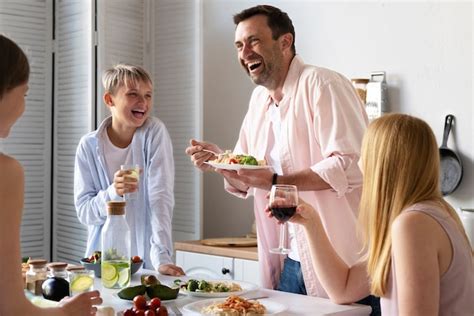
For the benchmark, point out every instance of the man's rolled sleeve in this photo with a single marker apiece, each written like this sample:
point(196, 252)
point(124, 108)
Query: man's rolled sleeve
point(335, 171)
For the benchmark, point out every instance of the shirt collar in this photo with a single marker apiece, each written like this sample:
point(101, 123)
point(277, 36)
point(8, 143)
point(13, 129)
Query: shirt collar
point(296, 66)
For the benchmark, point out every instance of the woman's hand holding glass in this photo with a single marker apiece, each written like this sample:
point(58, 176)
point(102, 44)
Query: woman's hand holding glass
point(282, 205)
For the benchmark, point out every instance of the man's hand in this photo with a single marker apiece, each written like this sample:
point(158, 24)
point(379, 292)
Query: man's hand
point(256, 178)
point(170, 269)
point(199, 157)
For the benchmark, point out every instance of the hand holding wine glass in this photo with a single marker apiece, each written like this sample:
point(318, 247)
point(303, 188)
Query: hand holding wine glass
point(283, 202)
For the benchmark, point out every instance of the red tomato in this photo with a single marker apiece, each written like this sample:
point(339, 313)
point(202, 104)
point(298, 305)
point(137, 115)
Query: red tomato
point(162, 311)
point(155, 303)
point(140, 303)
point(150, 312)
point(233, 161)
point(136, 259)
point(128, 312)
point(139, 313)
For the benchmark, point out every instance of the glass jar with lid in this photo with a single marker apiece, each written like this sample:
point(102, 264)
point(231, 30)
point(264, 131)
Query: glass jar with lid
point(80, 279)
point(360, 85)
point(56, 286)
point(36, 276)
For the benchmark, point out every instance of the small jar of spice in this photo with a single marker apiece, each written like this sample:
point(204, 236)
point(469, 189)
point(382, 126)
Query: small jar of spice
point(36, 276)
point(360, 85)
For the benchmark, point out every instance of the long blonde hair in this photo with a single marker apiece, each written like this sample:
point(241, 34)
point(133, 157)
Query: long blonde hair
point(400, 162)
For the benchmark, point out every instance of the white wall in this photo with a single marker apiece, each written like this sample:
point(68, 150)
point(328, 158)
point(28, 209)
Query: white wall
point(426, 48)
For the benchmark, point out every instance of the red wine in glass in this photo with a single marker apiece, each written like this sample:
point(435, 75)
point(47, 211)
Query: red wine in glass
point(283, 202)
point(283, 213)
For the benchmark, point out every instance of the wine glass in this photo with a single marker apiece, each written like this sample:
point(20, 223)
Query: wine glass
point(283, 202)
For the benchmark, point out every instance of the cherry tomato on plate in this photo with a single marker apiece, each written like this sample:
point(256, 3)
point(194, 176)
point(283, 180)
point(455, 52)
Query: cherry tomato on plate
point(139, 302)
point(162, 311)
point(128, 312)
point(155, 303)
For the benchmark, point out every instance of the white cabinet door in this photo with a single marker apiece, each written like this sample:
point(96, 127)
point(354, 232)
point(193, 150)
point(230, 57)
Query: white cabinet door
point(204, 266)
point(247, 271)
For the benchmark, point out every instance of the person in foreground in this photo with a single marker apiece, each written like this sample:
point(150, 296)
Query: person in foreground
point(419, 258)
point(307, 122)
point(14, 74)
point(130, 136)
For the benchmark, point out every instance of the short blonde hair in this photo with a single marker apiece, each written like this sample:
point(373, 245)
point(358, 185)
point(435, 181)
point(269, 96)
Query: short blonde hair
point(400, 162)
point(123, 74)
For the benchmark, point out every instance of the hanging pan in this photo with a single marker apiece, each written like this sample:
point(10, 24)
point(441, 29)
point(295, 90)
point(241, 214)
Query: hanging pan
point(451, 165)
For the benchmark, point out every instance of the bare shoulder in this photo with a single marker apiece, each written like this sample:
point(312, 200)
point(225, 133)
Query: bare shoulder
point(416, 229)
point(11, 171)
point(413, 223)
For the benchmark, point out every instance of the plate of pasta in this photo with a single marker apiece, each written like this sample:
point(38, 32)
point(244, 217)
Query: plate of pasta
point(231, 161)
point(234, 166)
point(214, 288)
point(235, 305)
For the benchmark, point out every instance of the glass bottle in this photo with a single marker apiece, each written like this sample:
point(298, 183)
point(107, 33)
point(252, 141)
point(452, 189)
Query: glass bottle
point(56, 286)
point(116, 253)
point(36, 276)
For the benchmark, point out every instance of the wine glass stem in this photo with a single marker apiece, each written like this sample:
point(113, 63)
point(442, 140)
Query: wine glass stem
point(282, 236)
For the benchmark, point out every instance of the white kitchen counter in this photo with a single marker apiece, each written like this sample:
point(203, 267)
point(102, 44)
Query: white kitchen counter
point(297, 304)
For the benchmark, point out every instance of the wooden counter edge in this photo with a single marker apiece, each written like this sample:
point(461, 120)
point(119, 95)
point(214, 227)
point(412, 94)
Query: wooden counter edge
point(248, 253)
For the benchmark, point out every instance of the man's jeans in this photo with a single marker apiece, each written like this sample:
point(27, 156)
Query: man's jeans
point(291, 278)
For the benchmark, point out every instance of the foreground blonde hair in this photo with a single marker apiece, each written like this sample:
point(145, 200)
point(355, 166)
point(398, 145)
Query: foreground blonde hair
point(400, 162)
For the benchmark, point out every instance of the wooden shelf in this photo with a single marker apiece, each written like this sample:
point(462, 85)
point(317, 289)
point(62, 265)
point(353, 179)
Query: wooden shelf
point(249, 253)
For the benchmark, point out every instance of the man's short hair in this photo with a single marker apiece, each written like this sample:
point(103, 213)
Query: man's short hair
point(278, 21)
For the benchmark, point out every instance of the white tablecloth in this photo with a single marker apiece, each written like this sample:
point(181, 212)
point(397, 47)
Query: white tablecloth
point(296, 304)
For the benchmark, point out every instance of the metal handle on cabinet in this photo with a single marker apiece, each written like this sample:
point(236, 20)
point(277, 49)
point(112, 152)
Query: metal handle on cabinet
point(225, 271)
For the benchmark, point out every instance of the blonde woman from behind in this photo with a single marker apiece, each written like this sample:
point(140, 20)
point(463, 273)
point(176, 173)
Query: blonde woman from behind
point(419, 260)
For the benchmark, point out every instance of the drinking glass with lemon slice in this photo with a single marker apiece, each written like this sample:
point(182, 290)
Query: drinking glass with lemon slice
point(133, 171)
point(80, 280)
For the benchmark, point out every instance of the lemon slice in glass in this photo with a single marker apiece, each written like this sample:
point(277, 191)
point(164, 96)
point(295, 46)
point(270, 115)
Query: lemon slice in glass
point(135, 173)
point(109, 275)
point(110, 283)
point(109, 272)
point(124, 277)
point(82, 283)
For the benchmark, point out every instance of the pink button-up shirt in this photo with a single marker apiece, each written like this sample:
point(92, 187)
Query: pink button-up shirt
point(322, 124)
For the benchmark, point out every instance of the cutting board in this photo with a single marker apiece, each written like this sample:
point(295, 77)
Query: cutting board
point(230, 241)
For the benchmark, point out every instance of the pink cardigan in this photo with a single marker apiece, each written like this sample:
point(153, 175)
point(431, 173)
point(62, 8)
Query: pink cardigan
point(322, 124)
